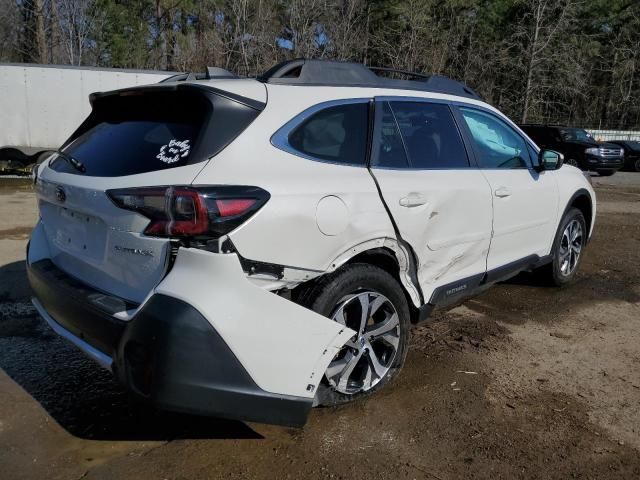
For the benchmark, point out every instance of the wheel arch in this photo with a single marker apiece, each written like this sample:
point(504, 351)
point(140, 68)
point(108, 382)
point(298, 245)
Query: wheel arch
point(581, 200)
point(385, 258)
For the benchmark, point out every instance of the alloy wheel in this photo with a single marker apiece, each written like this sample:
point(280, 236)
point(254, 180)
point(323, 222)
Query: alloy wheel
point(570, 247)
point(368, 356)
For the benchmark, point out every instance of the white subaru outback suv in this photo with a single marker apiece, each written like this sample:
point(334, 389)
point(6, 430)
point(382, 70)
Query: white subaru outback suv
point(250, 248)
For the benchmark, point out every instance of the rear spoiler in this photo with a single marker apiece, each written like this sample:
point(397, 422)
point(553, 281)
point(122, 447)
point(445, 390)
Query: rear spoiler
point(207, 90)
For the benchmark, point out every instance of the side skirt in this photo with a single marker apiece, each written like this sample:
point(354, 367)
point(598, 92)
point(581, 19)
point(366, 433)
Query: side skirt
point(459, 290)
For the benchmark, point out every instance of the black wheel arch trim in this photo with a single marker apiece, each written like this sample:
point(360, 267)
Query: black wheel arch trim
point(581, 192)
point(193, 369)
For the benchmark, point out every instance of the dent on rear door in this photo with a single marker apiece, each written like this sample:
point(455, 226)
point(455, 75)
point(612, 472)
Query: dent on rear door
point(451, 231)
point(284, 347)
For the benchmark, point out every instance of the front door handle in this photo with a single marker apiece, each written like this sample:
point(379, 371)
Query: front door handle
point(503, 192)
point(412, 200)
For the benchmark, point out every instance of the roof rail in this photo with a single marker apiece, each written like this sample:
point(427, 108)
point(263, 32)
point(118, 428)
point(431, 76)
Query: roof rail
point(542, 124)
point(210, 73)
point(402, 72)
point(350, 74)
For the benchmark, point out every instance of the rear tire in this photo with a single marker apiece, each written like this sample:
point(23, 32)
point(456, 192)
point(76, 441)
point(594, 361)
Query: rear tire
point(378, 351)
point(636, 165)
point(568, 246)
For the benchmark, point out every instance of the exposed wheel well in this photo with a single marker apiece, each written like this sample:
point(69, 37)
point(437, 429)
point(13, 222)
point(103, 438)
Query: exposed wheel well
point(385, 259)
point(382, 257)
point(583, 203)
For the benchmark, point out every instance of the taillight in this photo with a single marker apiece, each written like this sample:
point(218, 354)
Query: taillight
point(235, 206)
point(194, 212)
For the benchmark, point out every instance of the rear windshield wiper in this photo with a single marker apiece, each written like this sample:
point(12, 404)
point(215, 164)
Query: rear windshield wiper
point(77, 164)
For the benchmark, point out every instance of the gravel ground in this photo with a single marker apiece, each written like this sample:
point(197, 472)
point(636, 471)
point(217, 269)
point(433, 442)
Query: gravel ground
point(524, 381)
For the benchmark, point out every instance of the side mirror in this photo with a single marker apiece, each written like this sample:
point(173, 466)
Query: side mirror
point(550, 160)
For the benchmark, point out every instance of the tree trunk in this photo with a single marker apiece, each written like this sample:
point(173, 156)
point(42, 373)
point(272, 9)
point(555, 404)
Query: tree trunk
point(41, 41)
point(531, 64)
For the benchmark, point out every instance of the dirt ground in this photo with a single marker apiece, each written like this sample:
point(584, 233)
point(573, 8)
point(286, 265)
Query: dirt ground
point(524, 381)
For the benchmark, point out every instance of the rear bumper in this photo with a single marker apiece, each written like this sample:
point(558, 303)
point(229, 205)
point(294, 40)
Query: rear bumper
point(96, 355)
point(206, 343)
point(82, 311)
point(168, 353)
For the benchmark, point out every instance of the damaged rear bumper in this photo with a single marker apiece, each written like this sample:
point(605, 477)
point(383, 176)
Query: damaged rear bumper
point(206, 340)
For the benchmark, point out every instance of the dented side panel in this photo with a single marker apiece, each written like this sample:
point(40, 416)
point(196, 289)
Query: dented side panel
point(284, 347)
point(450, 230)
point(401, 255)
point(292, 276)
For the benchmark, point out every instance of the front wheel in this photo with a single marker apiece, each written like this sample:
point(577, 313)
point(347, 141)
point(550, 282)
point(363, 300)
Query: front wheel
point(568, 244)
point(371, 302)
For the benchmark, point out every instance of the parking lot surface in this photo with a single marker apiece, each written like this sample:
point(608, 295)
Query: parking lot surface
point(523, 381)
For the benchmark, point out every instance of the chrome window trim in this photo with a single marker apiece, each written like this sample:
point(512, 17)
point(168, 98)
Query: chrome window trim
point(280, 139)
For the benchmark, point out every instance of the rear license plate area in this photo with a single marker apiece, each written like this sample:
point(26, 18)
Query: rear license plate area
point(77, 233)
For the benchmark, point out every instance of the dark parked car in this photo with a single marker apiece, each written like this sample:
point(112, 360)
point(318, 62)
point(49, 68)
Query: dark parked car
point(631, 154)
point(578, 147)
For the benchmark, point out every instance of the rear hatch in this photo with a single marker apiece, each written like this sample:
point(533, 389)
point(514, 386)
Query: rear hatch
point(141, 137)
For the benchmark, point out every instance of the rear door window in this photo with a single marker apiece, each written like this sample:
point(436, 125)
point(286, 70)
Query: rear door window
point(430, 135)
point(148, 131)
point(388, 150)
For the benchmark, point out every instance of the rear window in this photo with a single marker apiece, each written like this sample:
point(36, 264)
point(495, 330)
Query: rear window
point(146, 131)
point(335, 134)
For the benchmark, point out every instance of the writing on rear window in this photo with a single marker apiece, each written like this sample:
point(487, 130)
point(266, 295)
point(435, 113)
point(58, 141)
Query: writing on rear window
point(174, 151)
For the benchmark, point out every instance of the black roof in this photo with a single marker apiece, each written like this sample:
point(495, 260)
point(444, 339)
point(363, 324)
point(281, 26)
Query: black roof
point(351, 74)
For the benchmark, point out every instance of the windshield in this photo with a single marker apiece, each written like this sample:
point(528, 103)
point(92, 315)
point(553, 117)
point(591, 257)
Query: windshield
point(576, 135)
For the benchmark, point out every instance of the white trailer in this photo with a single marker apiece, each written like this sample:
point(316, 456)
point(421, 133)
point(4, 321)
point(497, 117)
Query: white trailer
point(41, 105)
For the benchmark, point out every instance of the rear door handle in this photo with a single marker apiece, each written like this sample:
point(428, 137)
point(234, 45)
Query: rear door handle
point(502, 192)
point(412, 200)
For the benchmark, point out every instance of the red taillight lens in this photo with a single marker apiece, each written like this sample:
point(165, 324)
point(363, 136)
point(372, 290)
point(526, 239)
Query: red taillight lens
point(185, 214)
point(234, 206)
point(191, 212)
